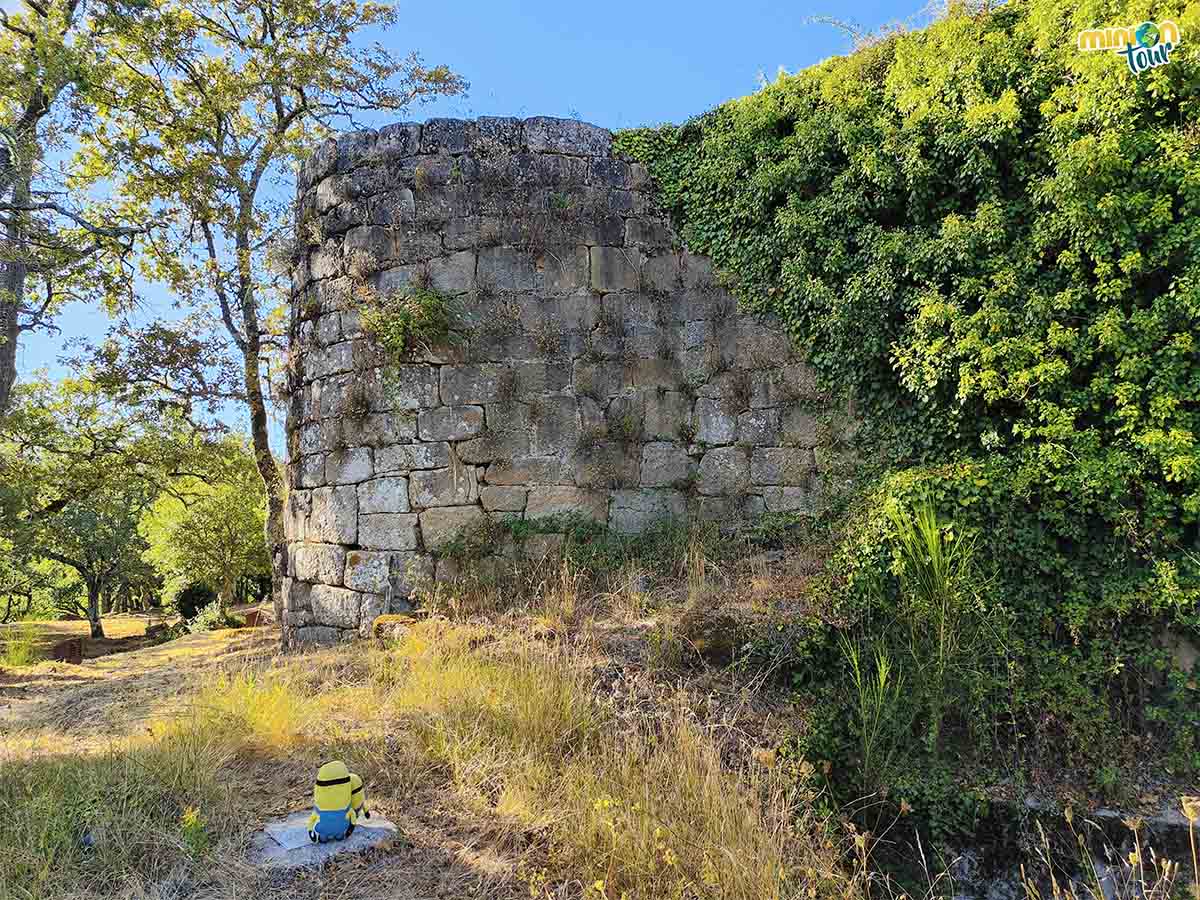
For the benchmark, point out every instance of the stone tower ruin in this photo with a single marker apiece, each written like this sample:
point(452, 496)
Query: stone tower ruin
point(595, 367)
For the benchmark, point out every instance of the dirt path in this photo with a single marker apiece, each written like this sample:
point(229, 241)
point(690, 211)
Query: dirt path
point(80, 707)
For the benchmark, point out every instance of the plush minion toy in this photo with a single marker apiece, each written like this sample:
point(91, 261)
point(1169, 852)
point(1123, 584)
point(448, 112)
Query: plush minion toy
point(333, 814)
point(358, 797)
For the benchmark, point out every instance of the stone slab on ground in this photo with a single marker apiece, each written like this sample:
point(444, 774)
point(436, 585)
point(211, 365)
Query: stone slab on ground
point(284, 843)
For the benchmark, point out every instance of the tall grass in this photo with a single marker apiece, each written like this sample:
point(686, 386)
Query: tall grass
point(635, 814)
point(84, 825)
point(947, 635)
point(20, 646)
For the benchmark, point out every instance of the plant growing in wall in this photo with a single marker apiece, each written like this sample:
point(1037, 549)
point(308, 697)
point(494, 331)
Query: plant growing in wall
point(417, 319)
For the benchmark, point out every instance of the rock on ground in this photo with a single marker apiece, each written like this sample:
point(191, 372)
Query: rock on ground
point(284, 843)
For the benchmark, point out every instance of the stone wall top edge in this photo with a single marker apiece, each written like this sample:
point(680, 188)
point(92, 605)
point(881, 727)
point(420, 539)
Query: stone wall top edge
point(538, 134)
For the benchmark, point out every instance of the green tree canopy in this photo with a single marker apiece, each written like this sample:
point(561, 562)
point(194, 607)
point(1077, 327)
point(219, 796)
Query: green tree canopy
point(211, 530)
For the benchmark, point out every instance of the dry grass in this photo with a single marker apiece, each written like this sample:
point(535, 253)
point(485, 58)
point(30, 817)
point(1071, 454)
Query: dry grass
point(626, 812)
point(579, 801)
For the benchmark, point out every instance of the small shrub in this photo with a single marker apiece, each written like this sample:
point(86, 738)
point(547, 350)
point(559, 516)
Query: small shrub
point(419, 318)
point(213, 618)
point(194, 598)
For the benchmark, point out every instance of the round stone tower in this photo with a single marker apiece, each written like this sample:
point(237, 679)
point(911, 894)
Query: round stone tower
point(594, 366)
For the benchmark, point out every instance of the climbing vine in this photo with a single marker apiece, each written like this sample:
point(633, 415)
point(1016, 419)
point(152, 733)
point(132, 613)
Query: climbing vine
point(991, 240)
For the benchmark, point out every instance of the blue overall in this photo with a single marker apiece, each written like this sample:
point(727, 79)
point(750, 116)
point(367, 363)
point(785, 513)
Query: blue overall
point(332, 824)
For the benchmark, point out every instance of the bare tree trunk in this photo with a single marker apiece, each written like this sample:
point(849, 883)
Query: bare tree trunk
point(94, 591)
point(12, 292)
point(259, 430)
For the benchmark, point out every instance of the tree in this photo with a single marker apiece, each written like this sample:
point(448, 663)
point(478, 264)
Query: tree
point(205, 108)
point(55, 244)
point(98, 540)
point(76, 472)
point(211, 531)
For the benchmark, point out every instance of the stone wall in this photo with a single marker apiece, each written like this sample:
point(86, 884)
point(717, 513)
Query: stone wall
point(597, 367)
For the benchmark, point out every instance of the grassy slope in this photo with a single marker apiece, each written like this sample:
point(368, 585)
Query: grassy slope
point(509, 773)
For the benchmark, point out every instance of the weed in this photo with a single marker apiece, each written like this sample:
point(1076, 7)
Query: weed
point(420, 318)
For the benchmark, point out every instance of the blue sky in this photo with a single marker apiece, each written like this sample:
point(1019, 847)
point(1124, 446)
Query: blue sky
point(618, 64)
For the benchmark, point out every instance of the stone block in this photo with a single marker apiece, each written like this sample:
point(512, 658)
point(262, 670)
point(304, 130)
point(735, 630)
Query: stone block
point(317, 634)
point(507, 435)
point(492, 133)
point(600, 380)
point(668, 413)
point(471, 384)
point(613, 173)
point(295, 514)
point(349, 466)
point(784, 385)
point(395, 208)
point(450, 423)
point(665, 464)
point(380, 429)
point(554, 425)
point(799, 428)
point(606, 464)
point(559, 500)
point(716, 421)
point(443, 524)
point(759, 426)
point(455, 485)
point(724, 471)
point(329, 329)
point(538, 377)
point(387, 531)
point(398, 139)
point(334, 516)
point(353, 147)
point(615, 269)
point(762, 342)
point(781, 465)
point(537, 547)
point(635, 510)
point(790, 499)
point(498, 498)
point(407, 570)
point(544, 134)
point(647, 233)
point(321, 563)
point(335, 606)
point(383, 495)
point(506, 269)
point(409, 387)
point(453, 274)
point(312, 471)
point(564, 270)
point(444, 136)
point(368, 248)
point(525, 470)
point(407, 457)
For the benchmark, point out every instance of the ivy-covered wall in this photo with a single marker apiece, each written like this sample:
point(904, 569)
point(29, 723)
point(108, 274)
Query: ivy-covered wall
point(991, 239)
point(492, 319)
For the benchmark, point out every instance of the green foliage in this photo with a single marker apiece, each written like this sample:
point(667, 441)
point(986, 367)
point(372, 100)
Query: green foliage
point(193, 830)
point(991, 241)
point(20, 646)
point(418, 318)
point(193, 598)
point(211, 530)
point(212, 618)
